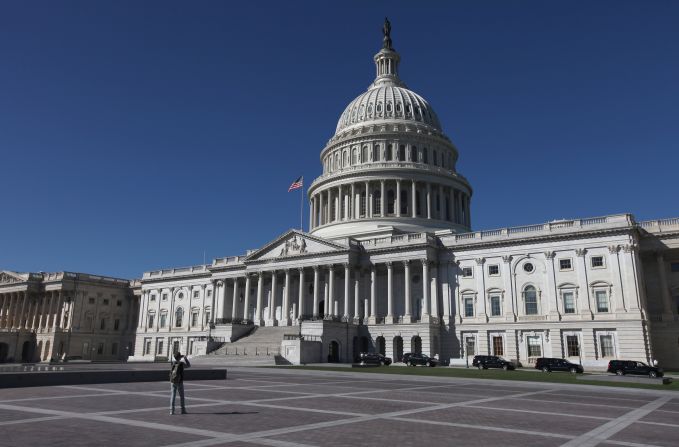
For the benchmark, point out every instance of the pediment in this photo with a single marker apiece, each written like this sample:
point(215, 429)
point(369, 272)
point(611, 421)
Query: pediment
point(7, 277)
point(294, 243)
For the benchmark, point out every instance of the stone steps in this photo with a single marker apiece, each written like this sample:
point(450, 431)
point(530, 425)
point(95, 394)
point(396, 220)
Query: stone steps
point(262, 341)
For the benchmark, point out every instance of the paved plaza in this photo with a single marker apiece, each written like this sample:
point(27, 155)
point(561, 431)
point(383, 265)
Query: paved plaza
point(316, 408)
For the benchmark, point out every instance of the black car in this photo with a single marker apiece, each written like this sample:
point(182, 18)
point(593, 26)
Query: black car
point(492, 361)
point(547, 364)
point(413, 359)
point(374, 358)
point(622, 367)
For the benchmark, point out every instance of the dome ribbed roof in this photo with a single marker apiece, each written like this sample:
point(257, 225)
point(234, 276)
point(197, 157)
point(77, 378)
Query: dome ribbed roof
point(388, 102)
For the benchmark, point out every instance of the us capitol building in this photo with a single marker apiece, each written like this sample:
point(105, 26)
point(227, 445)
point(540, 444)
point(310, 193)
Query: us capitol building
point(390, 264)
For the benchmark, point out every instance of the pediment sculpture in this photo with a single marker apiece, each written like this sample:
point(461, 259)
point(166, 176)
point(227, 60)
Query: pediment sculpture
point(8, 279)
point(293, 247)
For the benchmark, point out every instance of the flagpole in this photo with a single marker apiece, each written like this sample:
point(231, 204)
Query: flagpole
point(301, 207)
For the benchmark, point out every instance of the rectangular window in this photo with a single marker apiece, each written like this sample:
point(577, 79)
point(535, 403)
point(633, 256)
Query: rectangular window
point(568, 303)
point(601, 301)
point(147, 346)
point(163, 320)
point(207, 317)
point(159, 347)
point(103, 324)
point(495, 309)
point(468, 307)
point(572, 346)
point(151, 318)
point(607, 350)
point(114, 349)
point(116, 324)
point(597, 261)
point(164, 297)
point(100, 348)
point(565, 264)
point(153, 297)
point(467, 272)
point(209, 293)
point(90, 300)
point(196, 294)
point(498, 347)
point(105, 302)
point(674, 267)
point(493, 270)
point(119, 303)
point(470, 346)
point(194, 319)
point(534, 346)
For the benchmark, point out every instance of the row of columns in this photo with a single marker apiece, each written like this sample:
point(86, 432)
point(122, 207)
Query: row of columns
point(344, 202)
point(23, 310)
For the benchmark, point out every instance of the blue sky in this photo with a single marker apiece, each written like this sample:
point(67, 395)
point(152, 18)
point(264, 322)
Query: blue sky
point(139, 135)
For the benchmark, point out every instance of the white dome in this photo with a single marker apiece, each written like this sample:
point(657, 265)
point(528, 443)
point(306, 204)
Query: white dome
point(388, 101)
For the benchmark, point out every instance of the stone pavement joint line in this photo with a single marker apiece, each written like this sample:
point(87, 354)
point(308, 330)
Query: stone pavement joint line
point(605, 431)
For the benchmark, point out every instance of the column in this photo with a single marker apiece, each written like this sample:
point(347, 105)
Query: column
point(508, 309)
point(347, 283)
point(428, 200)
point(221, 299)
point(373, 298)
point(300, 299)
point(383, 200)
point(407, 318)
point(234, 302)
point(311, 215)
point(341, 204)
point(352, 202)
point(425, 290)
point(330, 305)
point(617, 296)
point(272, 305)
point(321, 220)
point(258, 310)
point(246, 303)
point(172, 302)
point(664, 287)
point(142, 303)
point(413, 200)
point(369, 200)
point(43, 313)
point(397, 205)
point(10, 312)
point(33, 314)
point(552, 309)
point(2, 309)
point(390, 294)
point(446, 289)
point(631, 285)
point(285, 312)
point(201, 313)
point(316, 287)
point(584, 303)
point(357, 294)
point(434, 289)
point(24, 310)
point(213, 305)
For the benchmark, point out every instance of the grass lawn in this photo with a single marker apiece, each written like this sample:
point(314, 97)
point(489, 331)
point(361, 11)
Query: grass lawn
point(497, 374)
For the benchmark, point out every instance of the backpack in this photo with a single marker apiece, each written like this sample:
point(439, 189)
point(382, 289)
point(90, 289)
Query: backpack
point(176, 373)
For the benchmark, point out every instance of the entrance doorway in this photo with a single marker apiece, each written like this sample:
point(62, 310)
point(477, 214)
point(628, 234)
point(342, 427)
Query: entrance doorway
point(27, 352)
point(333, 352)
point(398, 348)
point(175, 346)
point(381, 345)
point(4, 352)
point(321, 309)
point(416, 343)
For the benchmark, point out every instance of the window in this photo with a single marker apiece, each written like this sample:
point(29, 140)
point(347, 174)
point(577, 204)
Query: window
point(467, 272)
point(180, 295)
point(565, 264)
point(163, 320)
point(147, 346)
point(534, 346)
point(498, 347)
point(116, 324)
point(388, 155)
point(102, 326)
point(377, 206)
point(568, 302)
point(674, 267)
point(179, 316)
point(207, 316)
point(572, 346)
point(470, 346)
point(401, 153)
point(495, 309)
point(159, 347)
point(607, 350)
point(597, 261)
point(90, 300)
point(153, 297)
point(114, 349)
point(676, 300)
point(105, 302)
point(601, 300)
point(528, 267)
point(494, 270)
point(363, 202)
point(209, 293)
point(119, 303)
point(530, 298)
point(164, 297)
point(194, 318)
point(151, 318)
point(196, 294)
point(413, 154)
point(100, 348)
point(468, 306)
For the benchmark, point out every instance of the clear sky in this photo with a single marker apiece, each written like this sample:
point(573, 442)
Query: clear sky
point(139, 135)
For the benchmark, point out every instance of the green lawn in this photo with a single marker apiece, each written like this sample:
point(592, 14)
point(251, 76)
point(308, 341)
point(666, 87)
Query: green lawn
point(498, 374)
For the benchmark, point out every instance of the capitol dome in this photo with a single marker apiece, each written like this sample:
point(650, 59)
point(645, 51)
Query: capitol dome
point(389, 168)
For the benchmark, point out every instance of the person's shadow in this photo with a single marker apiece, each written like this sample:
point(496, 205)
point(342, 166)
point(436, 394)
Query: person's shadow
point(230, 412)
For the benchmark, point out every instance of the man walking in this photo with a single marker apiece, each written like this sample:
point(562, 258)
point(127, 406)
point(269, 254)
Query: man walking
point(179, 362)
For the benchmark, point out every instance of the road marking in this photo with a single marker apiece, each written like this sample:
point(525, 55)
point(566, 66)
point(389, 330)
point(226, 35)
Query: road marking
point(605, 431)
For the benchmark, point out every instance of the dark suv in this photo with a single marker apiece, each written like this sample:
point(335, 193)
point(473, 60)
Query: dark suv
point(547, 364)
point(492, 361)
point(374, 358)
point(622, 367)
point(412, 359)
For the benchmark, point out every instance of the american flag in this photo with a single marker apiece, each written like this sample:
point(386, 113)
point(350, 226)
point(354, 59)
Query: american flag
point(297, 184)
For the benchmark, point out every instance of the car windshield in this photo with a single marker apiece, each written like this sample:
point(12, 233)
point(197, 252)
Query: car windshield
point(641, 364)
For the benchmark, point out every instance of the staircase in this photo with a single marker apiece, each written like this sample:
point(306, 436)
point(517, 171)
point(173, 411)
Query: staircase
point(261, 347)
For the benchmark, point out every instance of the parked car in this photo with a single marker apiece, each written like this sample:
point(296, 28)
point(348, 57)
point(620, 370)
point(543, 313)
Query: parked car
point(622, 367)
point(548, 364)
point(374, 358)
point(492, 361)
point(413, 359)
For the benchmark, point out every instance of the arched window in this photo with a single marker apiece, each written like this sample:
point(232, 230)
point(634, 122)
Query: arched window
point(354, 160)
point(363, 203)
point(178, 317)
point(413, 154)
point(377, 202)
point(435, 159)
point(364, 154)
point(390, 202)
point(346, 159)
point(376, 153)
point(425, 158)
point(388, 156)
point(404, 202)
point(402, 153)
point(530, 298)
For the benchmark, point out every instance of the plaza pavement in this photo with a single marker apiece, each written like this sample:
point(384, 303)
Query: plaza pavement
point(290, 407)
